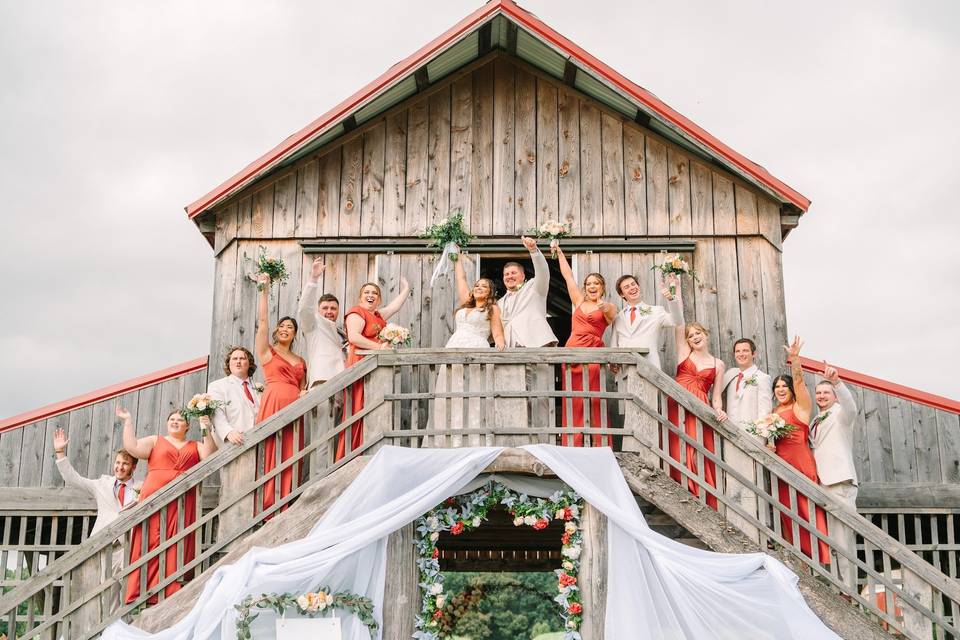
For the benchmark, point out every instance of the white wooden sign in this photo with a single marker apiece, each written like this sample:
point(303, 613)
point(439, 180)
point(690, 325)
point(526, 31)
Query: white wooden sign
point(308, 629)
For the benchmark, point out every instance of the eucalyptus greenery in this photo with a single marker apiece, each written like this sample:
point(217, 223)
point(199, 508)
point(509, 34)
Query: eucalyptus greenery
point(273, 267)
point(448, 230)
point(308, 604)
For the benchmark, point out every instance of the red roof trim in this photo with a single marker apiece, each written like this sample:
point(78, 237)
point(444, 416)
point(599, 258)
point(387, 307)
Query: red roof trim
point(889, 388)
point(534, 24)
point(103, 394)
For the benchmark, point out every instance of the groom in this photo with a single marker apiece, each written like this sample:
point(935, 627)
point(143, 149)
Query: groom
point(523, 307)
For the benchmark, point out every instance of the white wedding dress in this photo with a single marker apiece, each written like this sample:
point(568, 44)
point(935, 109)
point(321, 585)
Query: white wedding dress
point(471, 330)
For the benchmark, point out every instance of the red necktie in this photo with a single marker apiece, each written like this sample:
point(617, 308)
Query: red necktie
point(122, 492)
point(246, 390)
point(633, 314)
point(739, 380)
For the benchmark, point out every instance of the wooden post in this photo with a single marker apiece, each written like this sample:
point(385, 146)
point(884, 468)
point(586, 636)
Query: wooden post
point(593, 573)
point(380, 420)
point(539, 377)
point(235, 475)
point(83, 578)
point(401, 597)
point(915, 624)
point(641, 430)
point(509, 412)
point(747, 499)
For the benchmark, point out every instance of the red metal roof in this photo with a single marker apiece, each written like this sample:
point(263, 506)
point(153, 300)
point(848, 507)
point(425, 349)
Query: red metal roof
point(536, 26)
point(103, 394)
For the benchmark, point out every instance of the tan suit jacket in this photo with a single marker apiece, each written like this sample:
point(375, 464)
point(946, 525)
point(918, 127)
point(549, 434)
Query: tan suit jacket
point(524, 312)
point(832, 439)
point(102, 490)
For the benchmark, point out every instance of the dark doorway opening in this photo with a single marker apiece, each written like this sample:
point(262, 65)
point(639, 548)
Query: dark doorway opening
point(558, 302)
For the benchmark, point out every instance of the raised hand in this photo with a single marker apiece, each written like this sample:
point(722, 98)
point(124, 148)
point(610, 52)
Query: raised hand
point(529, 243)
point(670, 284)
point(793, 351)
point(404, 283)
point(317, 268)
point(60, 440)
point(830, 374)
point(261, 278)
point(122, 413)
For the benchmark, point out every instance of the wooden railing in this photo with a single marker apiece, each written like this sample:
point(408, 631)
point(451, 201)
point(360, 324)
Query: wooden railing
point(450, 398)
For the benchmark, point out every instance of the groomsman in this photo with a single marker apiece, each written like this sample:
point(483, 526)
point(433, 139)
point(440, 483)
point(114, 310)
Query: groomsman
point(325, 341)
point(747, 391)
point(638, 324)
point(240, 395)
point(523, 308)
point(831, 436)
point(112, 493)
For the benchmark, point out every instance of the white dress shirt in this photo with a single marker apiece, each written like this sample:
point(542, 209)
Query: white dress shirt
point(524, 312)
point(753, 399)
point(104, 490)
point(832, 439)
point(644, 331)
point(323, 339)
point(240, 414)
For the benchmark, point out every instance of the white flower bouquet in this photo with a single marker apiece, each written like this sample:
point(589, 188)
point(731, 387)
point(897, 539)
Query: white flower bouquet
point(676, 265)
point(770, 427)
point(200, 405)
point(396, 335)
point(553, 229)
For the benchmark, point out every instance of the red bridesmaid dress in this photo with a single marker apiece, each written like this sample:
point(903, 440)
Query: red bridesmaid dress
point(697, 382)
point(794, 448)
point(165, 463)
point(282, 388)
point(586, 330)
point(373, 323)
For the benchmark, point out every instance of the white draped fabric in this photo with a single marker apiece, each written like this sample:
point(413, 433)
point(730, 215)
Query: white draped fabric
point(658, 589)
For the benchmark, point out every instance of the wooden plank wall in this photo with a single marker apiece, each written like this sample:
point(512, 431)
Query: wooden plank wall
point(26, 453)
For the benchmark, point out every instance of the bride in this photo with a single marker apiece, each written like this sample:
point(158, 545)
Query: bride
point(477, 316)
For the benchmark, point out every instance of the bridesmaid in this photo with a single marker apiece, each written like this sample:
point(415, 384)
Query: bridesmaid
point(591, 317)
point(167, 458)
point(286, 380)
point(795, 407)
point(697, 372)
point(364, 323)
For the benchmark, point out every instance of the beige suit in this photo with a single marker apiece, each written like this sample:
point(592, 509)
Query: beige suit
point(324, 341)
point(240, 414)
point(103, 489)
point(644, 331)
point(524, 312)
point(752, 400)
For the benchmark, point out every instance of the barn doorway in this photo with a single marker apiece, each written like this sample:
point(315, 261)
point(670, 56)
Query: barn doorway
point(558, 302)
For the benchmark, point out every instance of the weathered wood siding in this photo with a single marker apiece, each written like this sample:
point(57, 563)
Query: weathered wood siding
point(26, 453)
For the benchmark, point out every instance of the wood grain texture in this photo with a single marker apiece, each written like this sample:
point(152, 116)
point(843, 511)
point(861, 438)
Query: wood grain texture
point(728, 293)
point(774, 306)
point(635, 180)
point(705, 294)
point(351, 182)
point(748, 221)
point(481, 183)
point(548, 181)
point(395, 174)
point(525, 152)
point(678, 193)
point(261, 225)
point(504, 144)
point(418, 136)
point(701, 199)
point(611, 139)
point(284, 206)
point(461, 146)
point(371, 192)
point(769, 213)
point(948, 432)
point(724, 206)
point(438, 155)
point(658, 211)
point(328, 198)
point(568, 171)
point(308, 192)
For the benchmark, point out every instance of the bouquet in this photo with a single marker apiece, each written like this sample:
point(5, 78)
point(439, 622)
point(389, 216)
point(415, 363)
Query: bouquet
point(771, 427)
point(554, 230)
point(273, 267)
point(396, 335)
point(202, 404)
point(676, 265)
point(447, 235)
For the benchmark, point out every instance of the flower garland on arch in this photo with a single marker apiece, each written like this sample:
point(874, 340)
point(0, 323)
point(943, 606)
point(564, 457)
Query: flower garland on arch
point(307, 604)
point(464, 513)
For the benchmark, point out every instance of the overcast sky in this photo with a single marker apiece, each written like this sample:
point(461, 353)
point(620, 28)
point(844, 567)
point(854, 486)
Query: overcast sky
point(114, 115)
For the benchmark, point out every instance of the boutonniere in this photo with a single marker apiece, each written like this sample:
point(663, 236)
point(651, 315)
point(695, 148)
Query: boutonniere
point(644, 309)
point(258, 387)
point(821, 417)
point(752, 380)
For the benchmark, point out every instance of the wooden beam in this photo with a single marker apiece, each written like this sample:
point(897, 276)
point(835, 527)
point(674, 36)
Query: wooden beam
point(892, 495)
point(422, 78)
point(633, 244)
point(350, 123)
point(511, 38)
point(569, 73)
point(485, 34)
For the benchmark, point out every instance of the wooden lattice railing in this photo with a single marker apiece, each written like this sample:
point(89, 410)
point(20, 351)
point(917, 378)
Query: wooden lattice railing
point(450, 398)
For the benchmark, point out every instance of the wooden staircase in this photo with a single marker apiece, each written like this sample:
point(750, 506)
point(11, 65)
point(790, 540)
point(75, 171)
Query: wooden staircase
point(444, 398)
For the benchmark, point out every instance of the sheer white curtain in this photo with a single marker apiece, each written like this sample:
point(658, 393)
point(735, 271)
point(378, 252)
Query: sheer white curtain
point(658, 589)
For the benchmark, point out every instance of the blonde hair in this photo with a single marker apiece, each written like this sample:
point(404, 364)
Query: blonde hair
point(371, 284)
point(695, 325)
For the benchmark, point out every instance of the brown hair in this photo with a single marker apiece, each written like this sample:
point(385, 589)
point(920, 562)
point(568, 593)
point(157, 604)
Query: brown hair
point(226, 360)
point(753, 345)
point(293, 321)
point(126, 454)
point(328, 297)
point(371, 284)
point(695, 325)
point(178, 412)
point(517, 265)
point(603, 283)
point(471, 302)
point(623, 279)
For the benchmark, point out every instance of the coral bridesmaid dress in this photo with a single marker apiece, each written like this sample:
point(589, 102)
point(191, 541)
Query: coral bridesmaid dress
point(794, 448)
point(586, 330)
point(373, 323)
point(165, 463)
point(697, 382)
point(282, 388)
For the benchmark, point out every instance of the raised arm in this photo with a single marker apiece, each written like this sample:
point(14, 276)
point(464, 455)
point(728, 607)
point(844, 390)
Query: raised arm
point(207, 445)
point(390, 309)
point(844, 397)
point(541, 270)
point(307, 309)
point(800, 391)
point(673, 303)
point(573, 290)
point(261, 341)
point(354, 323)
point(496, 328)
point(683, 349)
point(70, 475)
point(463, 287)
point(765, 397)
point(138, 448)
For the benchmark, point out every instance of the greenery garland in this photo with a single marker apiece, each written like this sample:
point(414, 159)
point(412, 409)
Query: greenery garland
point(307, 604)
point(464, 513)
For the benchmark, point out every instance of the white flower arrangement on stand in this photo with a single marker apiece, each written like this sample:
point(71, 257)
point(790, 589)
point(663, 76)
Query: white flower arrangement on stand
point(465, 513)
